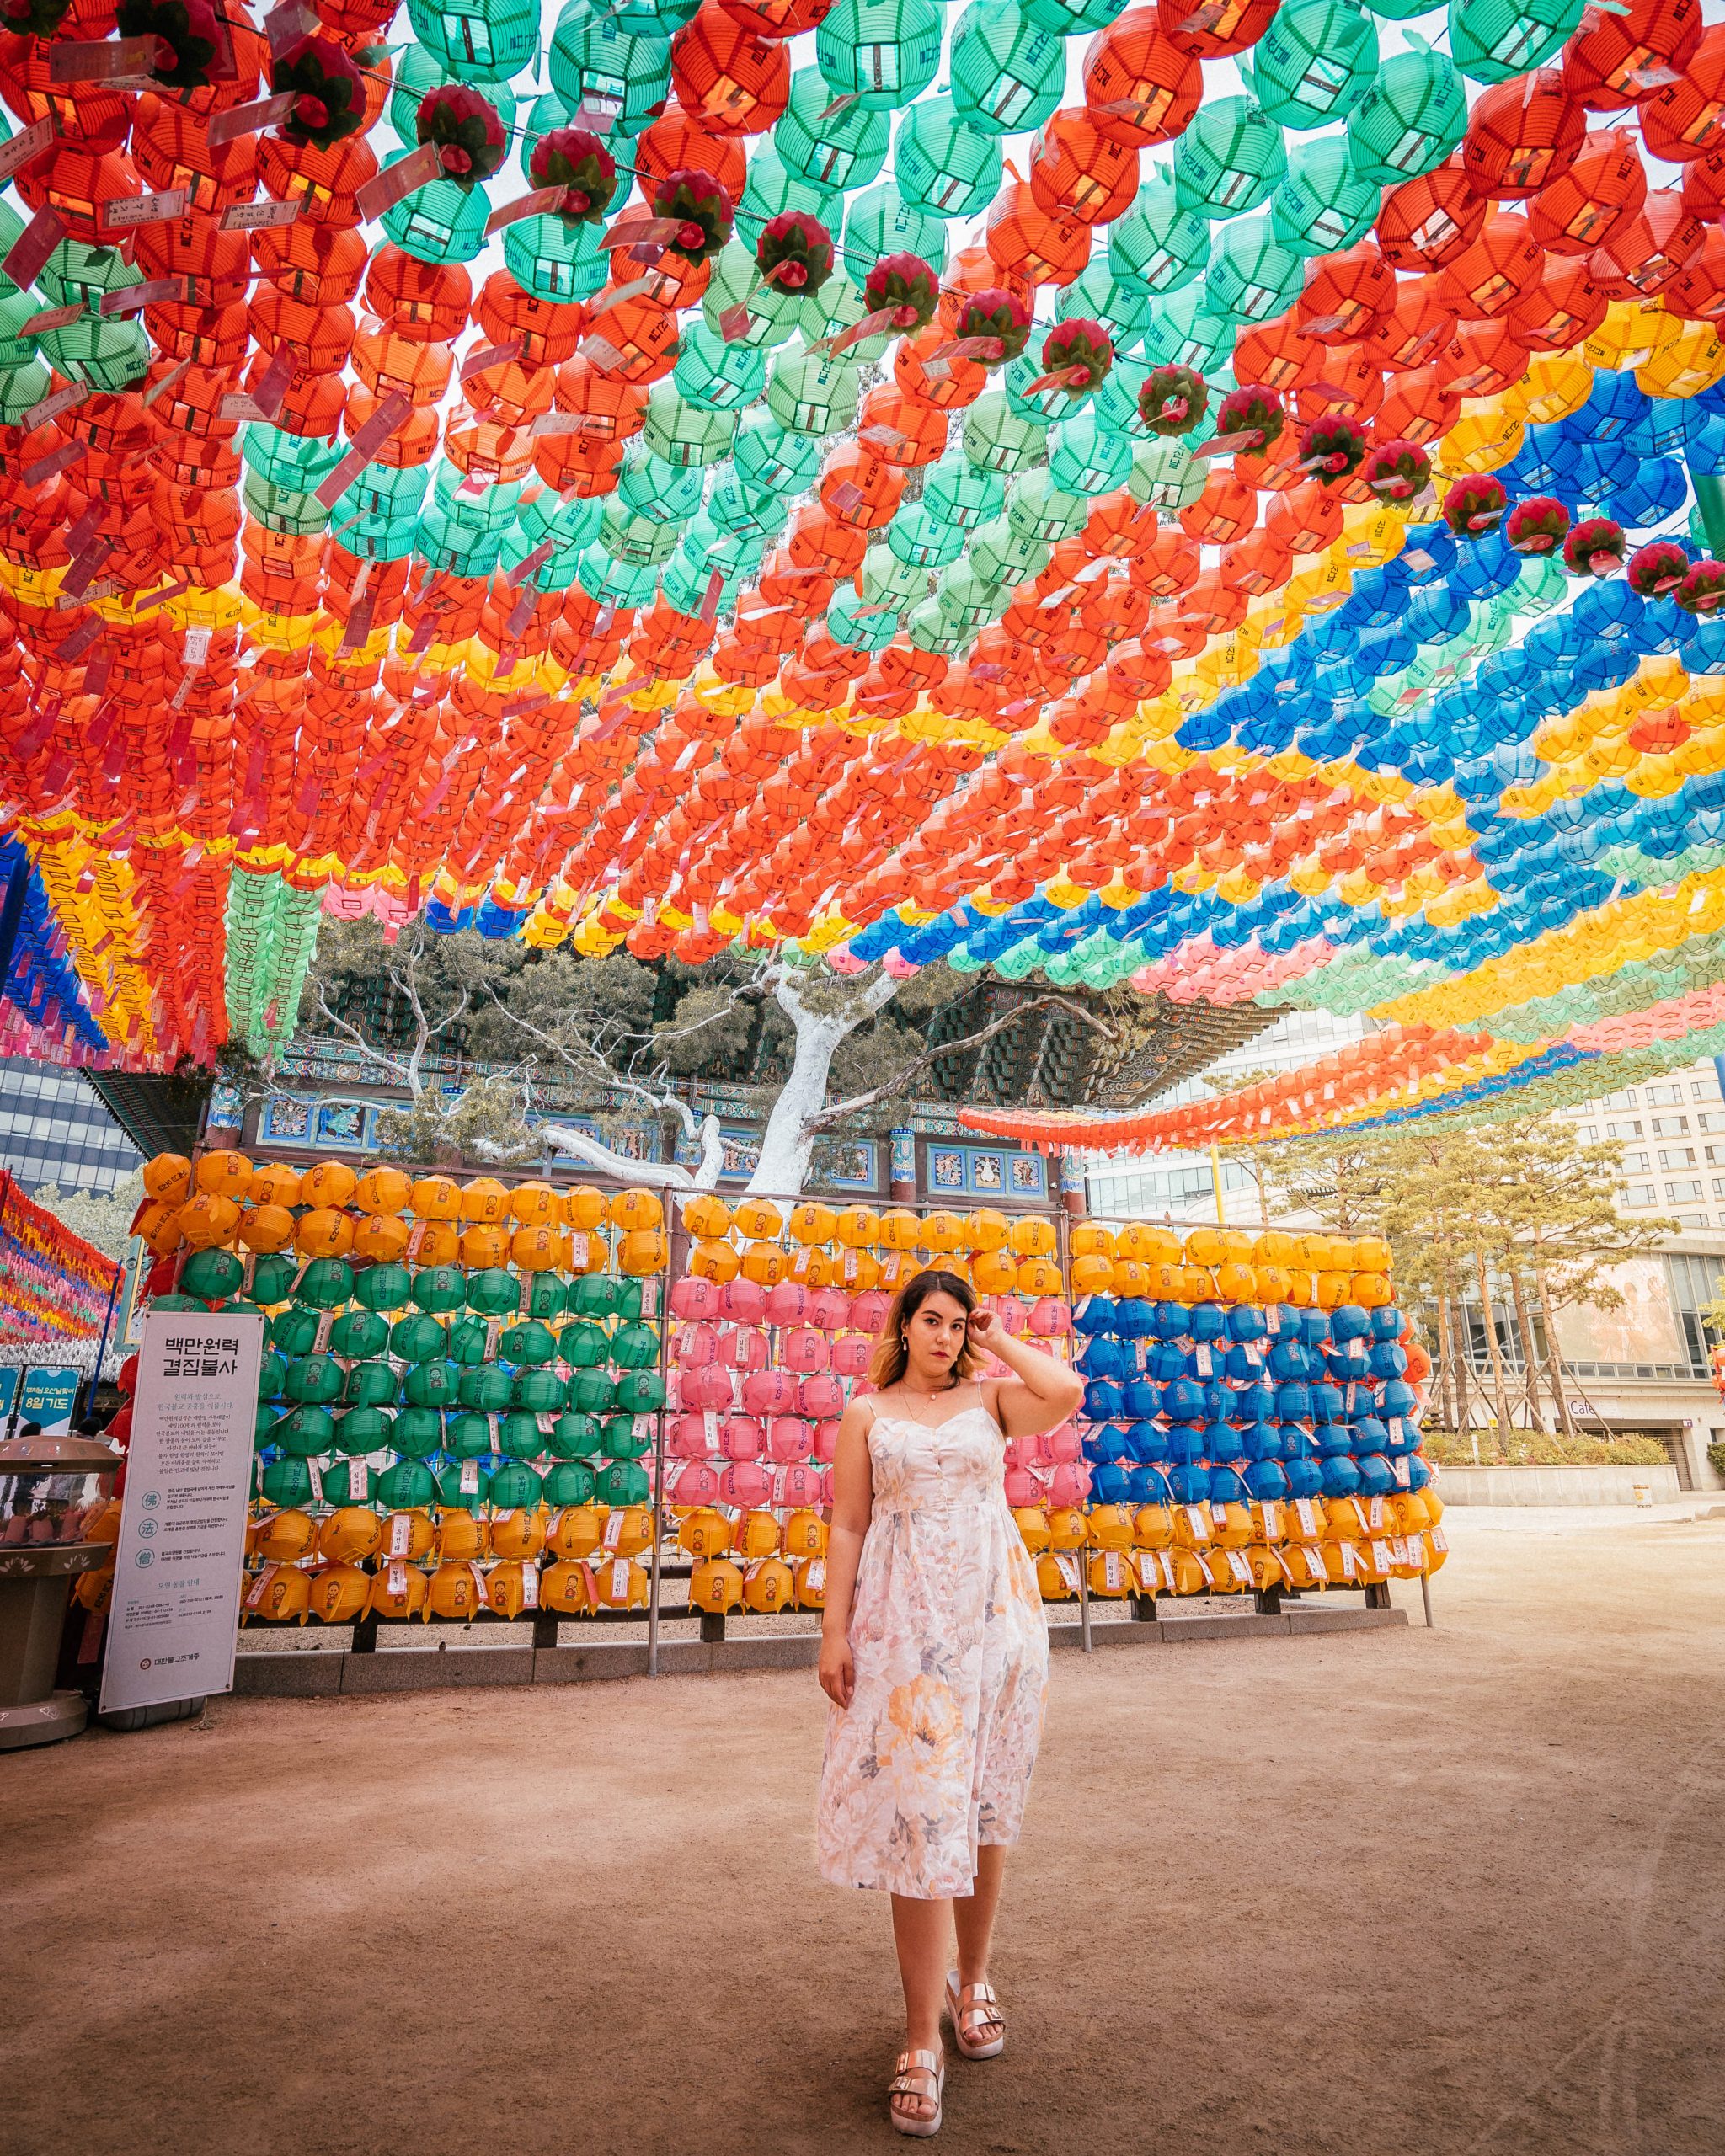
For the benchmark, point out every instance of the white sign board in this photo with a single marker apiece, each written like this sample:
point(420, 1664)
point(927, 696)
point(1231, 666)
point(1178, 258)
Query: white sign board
point(178, 1569)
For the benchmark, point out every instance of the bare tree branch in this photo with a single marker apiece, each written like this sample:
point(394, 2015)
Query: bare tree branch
point(858, 1102)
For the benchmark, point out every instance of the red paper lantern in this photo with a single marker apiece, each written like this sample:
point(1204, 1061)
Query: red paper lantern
point(1686, 119)
point(1521, 135)
point(1562, 309)
point(1647, 251)
point(1607, 62)
point(1044, 247)
point(729, 79)
point(1214, 31)
point(1416, 328)
point(1140, 87)
point(1077, 170)
point(1604, 185)
point(1483, 359)
point(1489, 275)
point(1346, 294)
point(1425, 223)
point(1697, 292)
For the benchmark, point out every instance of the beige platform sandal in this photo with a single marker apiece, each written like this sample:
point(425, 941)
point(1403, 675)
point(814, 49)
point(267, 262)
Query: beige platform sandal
point(974, 2007)
point(922, 2074)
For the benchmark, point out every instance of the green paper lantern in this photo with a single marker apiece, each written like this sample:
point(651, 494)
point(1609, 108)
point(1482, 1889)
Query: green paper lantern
point(889, 581)
point(615, 584)
point(840, 305)
point(1185, 333)
point(591, 1392)
point(530, 1343)
point(1073, 18)
point(1123, 305)
point(519, 1437)
point(406, 1485)
point(997, 439)
point(78, 272)
point(514, 1487)
point(487, 42)
point(623, 1439)
point(568, 1483)
point(365, 1428)
point(1490, 40)
point(635, 1348)
point(770, 189)
point(1229, 159)
point(555, 261)
point(1039, 508)
point(348, 1482)
point(1251, 277)
point(452, 1491)
point(306, 1433)
point(657, 492)
point(291, 1330)
point(1314, 63)
point(715, 376)
point(538, 1391)
point(210, 1274)
point(359, 1333)
point(431, 1384)
point(108, 355)
point(485, 1389)
point(1166, 476)
point(383, 1287)
point(1158, 245)
point(423, 68)
point(439, 222)
point(622, 1482)
point(1008, 73)
point(466, 1342)
point(316, 1379)
point(24, 387)
point(812, 395)
point(772, 314)
point(966, 599)
point(640, 1392)
point(594, 1296)
point(595, 62)
point(467, 1435)
point(1115, 404)
point(1409, 121)
point(1000, 554)
point(440, 1287)
point(1323, 204)
point(846, 624)
point(743, 511)
point(883, 53)
point(272, 1374)
point(574, 1436)
point(834, 153)
point(326, 1285)
point(370, 1385)
point(417, 1338)
point(272, 1278)
point(944, 165)
point(639, 540)
point(288, 1483)
point(280, 508)
point(689, 434)
point(493, 1292)
point(418, 1432)
point(928, 629)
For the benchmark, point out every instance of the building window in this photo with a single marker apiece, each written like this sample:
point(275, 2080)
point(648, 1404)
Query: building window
point(1694, 1283)
point(1682, 1194)
point(1691, 1219)
point(1705, 1089)
point(1639, 1194)
point(1658, 1096)
point(1677, 1157)
point(1585, 1134)
point(1670, 1126)
point(1623, 1130)
point(1635, 1164)
point(1714, 1120)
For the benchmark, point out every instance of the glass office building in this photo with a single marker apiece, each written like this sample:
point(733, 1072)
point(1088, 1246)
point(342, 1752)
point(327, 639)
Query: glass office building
point(54, 1129)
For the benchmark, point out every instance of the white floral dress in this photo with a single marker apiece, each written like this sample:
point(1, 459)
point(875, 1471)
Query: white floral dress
point(933, 1757)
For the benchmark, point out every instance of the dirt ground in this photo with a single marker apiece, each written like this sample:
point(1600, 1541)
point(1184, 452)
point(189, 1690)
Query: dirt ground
point(1405, 1894)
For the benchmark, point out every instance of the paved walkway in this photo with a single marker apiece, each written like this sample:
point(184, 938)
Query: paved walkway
point(1406, 1893)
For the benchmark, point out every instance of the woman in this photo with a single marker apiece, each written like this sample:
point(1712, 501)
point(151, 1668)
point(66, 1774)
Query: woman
point(934, 1653)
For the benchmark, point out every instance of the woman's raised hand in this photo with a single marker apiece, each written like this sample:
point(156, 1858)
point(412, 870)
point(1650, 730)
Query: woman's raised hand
point(984, 1329)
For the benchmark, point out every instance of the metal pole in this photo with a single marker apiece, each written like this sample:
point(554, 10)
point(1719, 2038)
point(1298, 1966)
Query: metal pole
point(102, 1344)
point(1425, 1596)
point(657, 1492)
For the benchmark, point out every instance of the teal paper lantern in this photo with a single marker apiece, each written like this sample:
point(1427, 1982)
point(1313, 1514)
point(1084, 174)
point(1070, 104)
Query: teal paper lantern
point(879, 222)
point(1083, 459)
point(1039, 507)
point(1073, 18)
point(833, 153)
point(959, 494)
point(767, 453)
point(597, 64)
point(888, 580)
point(714, 376)
point(682, 433)
point(1123, 306)
point(920, 538)
point(883, 53)
point(1115, 404)
point(1184, 334)
point(1158, 244)
point(1314, 63)
point(1251, 277)
point(945, 165)
point(1009, 73)
point(1229, 159)
point(771, 316)
point(486, 41)
point(420, 71)
point(108, 355)
point(1409, 121)
point(1042, 406)
point(1323, 204)
point(1000, 555)
point(615, 584)
point(847, 624)
point(1166, 477)
point(568, 524)
point(649, 487)
point(438, 223)
point(1490, 40)
point(555, 261)
point(749, 512)
point(771, 188)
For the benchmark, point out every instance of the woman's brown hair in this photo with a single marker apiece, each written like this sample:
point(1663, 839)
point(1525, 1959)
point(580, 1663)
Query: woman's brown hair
point(891, 1357)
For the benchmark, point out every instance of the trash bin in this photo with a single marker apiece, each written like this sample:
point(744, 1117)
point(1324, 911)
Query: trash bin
point(58, 1518)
